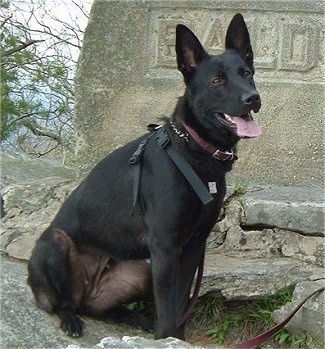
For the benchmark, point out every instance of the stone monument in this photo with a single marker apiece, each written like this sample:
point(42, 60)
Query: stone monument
point(127, 77)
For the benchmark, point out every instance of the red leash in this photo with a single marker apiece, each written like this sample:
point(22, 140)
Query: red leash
point(258, 340)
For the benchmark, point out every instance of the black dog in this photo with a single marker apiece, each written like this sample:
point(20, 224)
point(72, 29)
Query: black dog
point(91, 259)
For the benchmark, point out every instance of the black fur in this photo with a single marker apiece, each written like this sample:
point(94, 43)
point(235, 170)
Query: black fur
point(96, 220)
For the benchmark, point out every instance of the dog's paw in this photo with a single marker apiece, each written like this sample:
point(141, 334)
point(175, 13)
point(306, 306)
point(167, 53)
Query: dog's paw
point(73, 327)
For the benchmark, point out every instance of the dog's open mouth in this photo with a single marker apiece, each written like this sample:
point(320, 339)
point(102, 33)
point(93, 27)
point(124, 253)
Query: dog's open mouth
point(244, 126)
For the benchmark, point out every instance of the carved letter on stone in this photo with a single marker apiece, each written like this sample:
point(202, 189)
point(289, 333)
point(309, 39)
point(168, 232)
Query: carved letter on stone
point(299, 41)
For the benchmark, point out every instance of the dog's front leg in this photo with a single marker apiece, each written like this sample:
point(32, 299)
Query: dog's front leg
point(190, 259)
point(164, 261)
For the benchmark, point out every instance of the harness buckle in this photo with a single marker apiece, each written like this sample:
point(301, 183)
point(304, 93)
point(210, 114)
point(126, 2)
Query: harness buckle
point(162, 138)
point(137, 155)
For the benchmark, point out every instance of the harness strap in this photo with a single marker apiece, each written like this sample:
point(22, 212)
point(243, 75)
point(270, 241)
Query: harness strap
point(184, 167)
point(136, 162)
point(136, 185)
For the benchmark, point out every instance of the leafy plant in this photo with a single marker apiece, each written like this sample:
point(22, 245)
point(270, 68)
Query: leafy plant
point(262, 309)
point(228, 321)
point(247, 318)
point(240, 189)
point(138, 306)
point(286, 336)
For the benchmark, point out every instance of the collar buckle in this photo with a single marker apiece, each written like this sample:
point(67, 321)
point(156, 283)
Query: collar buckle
point(224, 155)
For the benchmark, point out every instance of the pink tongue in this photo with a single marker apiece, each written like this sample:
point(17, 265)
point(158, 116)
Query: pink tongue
point(247, 128)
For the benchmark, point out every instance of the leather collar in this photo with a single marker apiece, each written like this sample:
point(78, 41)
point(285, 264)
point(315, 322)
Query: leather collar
point(209, 148)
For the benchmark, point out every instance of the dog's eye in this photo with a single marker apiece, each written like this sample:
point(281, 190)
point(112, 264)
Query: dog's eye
point(217, 80)
point(247, 74)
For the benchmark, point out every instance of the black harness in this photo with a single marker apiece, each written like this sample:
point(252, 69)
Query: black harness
point(183, 166)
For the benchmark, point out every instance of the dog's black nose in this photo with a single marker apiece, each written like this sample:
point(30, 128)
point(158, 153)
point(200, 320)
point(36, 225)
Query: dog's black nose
point(253, 100)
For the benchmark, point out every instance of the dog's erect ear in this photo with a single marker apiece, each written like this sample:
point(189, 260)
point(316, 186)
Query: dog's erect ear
point(189, 52)
point(237, 38)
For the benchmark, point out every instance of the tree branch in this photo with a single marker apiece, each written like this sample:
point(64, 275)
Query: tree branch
point(20, 47)
point(5, 21)
point(39, 130)
point(14, 121)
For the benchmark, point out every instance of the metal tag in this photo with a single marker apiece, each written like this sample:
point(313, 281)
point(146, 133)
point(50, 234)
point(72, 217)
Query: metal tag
point(212, 187)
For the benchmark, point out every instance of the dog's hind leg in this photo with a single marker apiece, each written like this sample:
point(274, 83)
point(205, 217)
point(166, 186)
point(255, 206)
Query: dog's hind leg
point(51, 278)
point(115, 283)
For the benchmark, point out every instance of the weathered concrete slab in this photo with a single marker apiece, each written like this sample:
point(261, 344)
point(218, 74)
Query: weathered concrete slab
point(127, 78)
point(293, 208)
point(245, 278)
point(22, 168)
point(29, 207)
point(232, 238)
point(311, 317)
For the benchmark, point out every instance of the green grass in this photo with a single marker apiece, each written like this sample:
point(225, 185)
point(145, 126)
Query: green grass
point(227, 321)
point(235, 321)
point(285, 336)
